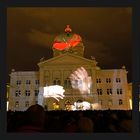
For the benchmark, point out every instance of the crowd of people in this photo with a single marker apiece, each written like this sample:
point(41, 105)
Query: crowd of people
point(36, 119)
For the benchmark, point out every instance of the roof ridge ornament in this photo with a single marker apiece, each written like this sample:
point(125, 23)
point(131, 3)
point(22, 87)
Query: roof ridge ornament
point(68, 29)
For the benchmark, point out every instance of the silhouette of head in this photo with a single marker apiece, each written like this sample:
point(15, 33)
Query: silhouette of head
point(35, 115)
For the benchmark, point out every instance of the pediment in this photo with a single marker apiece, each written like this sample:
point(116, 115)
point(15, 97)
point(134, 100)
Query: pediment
point(67, 59)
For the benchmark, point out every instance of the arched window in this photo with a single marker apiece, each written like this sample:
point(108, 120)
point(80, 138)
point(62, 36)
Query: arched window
point(56, 105)
point(56, 81)
point(67, 83)
point(67, 105)
point(17, 104)
point(79, 104)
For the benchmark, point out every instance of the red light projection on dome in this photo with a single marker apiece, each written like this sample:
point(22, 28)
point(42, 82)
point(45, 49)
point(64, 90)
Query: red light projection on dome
point(67, 40)
point(66, 44)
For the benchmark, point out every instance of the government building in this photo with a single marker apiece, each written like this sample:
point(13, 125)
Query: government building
point(110, 88)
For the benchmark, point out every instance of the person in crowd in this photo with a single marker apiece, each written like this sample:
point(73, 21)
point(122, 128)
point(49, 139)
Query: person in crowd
point(34, 119)
point(85, 124)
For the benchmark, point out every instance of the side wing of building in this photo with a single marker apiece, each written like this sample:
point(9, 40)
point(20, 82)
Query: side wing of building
point(112, 89)
point(24, 89)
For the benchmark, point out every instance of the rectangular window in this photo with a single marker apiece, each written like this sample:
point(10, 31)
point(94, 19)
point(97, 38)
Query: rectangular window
point(37, 82)
point(108, 80)
point(119, 91)
point(27, 92)
point(67, 83)
point(99, 91)
point(27, 104)
point(118, 80)
point(56, 82)
point(120, 101)
point(98, 80)
point(109, 91)
point(28, 82)
point(17, 93)
point(36, 92)
point(18, 82)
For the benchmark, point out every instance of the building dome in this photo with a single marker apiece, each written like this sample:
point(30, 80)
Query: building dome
point(67, 42)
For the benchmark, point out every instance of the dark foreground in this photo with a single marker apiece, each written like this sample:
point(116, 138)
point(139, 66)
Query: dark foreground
point(70, 121)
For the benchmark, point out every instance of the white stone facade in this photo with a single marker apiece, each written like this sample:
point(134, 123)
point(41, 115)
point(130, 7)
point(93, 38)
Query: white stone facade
point(109, 88)
point(23, 86)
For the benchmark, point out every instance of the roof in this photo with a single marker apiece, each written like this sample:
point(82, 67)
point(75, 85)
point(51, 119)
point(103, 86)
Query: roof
point(67, 59)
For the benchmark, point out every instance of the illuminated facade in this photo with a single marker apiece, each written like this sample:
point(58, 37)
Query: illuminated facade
point(110, 87)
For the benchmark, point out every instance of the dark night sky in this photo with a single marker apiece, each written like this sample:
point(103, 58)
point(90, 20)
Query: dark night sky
point(106, 34)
